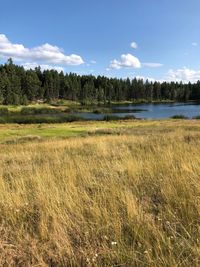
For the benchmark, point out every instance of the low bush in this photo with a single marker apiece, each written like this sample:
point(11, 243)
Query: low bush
point(97, 111)
point(4, 111)
point(116, 118)
point(196, 117)
point(111, 118)
point(129, 117)
point(179, 117)
point(31, 119)
point(35, 111)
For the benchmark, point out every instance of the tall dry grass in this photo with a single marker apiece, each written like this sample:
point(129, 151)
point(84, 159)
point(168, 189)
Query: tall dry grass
point(102, 201)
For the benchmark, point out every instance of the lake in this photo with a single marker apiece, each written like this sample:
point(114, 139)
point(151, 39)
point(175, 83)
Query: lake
point(149, 111)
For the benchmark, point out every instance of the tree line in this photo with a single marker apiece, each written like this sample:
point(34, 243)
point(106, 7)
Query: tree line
point(20, 86)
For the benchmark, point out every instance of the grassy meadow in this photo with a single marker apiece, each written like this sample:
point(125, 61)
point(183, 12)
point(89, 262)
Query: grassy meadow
point(123, 193)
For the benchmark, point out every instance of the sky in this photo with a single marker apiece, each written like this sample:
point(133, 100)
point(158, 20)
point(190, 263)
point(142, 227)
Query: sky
point(154, 39)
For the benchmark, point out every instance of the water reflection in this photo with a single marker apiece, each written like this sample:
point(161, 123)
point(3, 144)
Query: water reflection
point(149, 111)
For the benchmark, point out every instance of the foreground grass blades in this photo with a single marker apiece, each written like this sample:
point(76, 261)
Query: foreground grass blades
point(126, 194)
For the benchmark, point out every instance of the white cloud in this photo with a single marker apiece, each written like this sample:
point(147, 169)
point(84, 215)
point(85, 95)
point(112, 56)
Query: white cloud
point(194, 44)
point(185, 75)
point(45, 53)
point(145, 78)
point(152, 65)
point(32, 66)
point(126, 61)
point(130, 61)
point(134, 45)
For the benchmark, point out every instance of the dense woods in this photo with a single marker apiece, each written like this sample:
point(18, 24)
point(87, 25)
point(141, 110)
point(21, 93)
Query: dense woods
point(20, 86)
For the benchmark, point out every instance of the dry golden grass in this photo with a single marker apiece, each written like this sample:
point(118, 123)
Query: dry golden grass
point(129, 199)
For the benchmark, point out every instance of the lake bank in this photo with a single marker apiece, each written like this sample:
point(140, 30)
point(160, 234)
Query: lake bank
point(73, 111)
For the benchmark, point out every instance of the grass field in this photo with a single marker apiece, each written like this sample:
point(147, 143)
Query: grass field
point(121, 193)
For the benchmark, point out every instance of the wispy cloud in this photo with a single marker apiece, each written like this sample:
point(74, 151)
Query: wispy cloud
point(45, 53)
point(152, 65)
point(194, 44)
point(93, 62)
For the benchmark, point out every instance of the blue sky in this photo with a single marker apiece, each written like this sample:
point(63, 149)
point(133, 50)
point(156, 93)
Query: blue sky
point(95, 37)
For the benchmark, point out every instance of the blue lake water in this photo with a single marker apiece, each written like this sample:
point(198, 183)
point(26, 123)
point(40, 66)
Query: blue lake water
point(150, 111)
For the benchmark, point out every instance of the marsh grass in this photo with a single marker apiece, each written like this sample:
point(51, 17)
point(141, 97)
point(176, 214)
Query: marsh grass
point(128, 199)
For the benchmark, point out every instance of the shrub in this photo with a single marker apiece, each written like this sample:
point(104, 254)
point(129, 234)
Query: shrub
point(111, 118)
point(97, 111)
point(197, 117)
point(181, 117)
point(67, 110)
point(36, 111)
point(4, 111)
point(129, 117)
point(115, 118)
point(2, 120)
point(31, 119)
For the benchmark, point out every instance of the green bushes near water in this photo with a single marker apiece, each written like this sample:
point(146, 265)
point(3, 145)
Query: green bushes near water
point(4, 111)
point(115, 118)
point(197, 117)
point(36, 111)
point(180, 117)
point(31, 119)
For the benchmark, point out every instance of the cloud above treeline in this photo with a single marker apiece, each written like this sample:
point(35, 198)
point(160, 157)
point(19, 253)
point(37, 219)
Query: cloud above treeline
point(28, 66)
point(130, 61)
point(126, 61)
point(184, 74)
point(45, 53)
point(48, 57)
